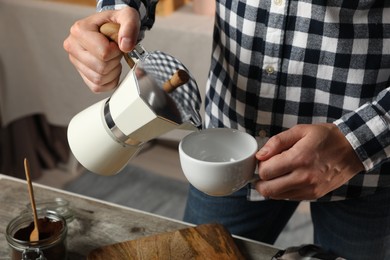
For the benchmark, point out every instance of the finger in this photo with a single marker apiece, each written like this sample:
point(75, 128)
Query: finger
point(86, 36)
point(91, 61)
point(100, 88)
point(89, 37)
point(97, 82)
point(283, 185)
point(280, 164)
point(129, 21)
point(280, 143)
point(299, 185)
point(96, 72)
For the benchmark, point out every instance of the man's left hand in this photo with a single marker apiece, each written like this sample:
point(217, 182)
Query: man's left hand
point(306, 162)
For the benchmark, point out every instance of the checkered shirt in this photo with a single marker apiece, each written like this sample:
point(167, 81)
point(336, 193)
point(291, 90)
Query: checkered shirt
point(278, 63)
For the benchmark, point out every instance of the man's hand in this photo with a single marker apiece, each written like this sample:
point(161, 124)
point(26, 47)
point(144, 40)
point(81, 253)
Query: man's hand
point(306, 162)
point(95, 57)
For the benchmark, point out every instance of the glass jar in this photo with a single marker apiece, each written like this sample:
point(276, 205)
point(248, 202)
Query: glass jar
point(51, 247)
point(59, 205)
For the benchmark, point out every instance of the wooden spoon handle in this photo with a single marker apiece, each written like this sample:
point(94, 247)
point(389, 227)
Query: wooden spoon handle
point(31, 193)
point(111, 30)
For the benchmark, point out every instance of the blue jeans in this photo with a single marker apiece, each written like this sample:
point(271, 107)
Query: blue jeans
point(354, 229)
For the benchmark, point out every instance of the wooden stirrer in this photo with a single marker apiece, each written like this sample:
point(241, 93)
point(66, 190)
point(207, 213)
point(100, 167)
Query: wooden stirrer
point(34, 236)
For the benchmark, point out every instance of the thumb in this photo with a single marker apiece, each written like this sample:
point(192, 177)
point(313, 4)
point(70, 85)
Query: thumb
point(129, 21)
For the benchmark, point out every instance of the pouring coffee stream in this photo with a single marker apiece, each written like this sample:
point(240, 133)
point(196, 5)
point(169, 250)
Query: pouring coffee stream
point(147, 104)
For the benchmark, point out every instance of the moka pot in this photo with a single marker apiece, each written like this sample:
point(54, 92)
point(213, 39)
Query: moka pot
point(147, 104)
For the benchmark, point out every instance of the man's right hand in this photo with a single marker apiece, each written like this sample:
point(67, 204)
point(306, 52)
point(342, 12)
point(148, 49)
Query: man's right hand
point(95, 57)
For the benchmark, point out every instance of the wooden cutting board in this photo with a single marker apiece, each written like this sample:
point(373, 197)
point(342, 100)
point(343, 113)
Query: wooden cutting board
point(208, 241)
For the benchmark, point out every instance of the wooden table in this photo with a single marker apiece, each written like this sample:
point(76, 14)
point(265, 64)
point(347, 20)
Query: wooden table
point(98, 223)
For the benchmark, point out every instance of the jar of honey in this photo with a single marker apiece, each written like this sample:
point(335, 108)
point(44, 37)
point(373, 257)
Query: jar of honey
point(52, 236)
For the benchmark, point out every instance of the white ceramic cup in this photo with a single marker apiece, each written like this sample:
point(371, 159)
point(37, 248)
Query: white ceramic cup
point(218, 161)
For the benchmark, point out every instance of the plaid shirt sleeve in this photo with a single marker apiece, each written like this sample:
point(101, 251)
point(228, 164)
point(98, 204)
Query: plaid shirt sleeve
point(368, 130)
point(146, 9)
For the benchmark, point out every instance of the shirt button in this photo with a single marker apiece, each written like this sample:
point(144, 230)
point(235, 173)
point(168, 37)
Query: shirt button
point(278, 2)
point(262, 133)
point(270, 70)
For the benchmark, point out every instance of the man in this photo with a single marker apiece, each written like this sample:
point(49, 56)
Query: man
point(310, 79)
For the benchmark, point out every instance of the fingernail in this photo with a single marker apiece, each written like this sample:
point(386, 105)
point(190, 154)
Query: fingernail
point(262, 152)
point(126, 44)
